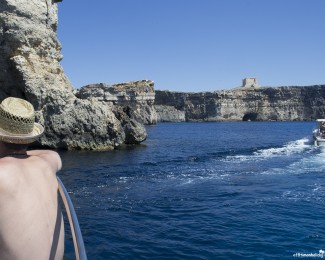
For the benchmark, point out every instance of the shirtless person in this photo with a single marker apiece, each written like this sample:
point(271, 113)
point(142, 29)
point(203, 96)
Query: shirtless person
point(31, 224)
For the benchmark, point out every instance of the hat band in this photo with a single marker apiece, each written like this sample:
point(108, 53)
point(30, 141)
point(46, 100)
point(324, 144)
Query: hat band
point(15, 124)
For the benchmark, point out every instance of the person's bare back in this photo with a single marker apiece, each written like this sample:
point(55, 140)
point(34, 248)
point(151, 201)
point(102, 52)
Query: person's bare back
point(31, 224)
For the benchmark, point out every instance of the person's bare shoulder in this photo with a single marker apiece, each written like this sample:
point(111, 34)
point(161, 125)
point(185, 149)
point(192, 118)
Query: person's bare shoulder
point(7, 179)
point(51, 157)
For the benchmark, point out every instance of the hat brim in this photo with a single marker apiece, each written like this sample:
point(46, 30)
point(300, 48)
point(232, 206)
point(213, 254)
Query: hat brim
point(22, 138)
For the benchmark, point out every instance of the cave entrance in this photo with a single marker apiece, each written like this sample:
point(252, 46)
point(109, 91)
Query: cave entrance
point(250, 117)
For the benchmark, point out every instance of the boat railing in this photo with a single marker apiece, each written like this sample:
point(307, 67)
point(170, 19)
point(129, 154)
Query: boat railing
point(79, 246)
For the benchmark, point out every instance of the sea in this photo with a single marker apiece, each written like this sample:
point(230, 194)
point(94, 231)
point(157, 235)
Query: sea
point(209, 190)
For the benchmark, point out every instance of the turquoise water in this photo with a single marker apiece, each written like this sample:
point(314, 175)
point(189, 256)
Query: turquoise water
point(202, 191)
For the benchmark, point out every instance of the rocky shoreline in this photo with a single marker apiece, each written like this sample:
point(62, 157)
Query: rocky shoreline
point(30, 56)
point(103, 117)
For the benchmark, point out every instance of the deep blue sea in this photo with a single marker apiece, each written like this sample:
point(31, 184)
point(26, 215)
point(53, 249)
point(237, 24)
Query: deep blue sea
point(253, 190)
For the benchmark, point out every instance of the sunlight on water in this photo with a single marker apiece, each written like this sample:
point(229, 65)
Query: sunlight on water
point(311, 192)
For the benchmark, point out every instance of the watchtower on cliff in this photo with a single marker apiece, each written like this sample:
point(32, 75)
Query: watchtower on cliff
point(250, 83)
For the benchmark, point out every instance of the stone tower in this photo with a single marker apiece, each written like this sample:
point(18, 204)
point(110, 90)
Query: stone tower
point(250, 83)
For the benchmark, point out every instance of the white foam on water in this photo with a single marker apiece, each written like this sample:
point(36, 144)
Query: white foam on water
point(311, 192)
point(311, 163)
point(294, 147)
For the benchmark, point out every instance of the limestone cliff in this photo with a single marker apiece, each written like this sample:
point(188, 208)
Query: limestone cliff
point(136, 98)
point(256, 104)
point(131, 102)
point(29, 60)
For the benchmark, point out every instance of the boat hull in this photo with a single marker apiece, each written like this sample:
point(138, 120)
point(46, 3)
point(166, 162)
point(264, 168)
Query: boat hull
point(319, 141)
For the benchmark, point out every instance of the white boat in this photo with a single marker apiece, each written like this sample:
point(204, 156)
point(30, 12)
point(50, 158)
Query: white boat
point(319, 133)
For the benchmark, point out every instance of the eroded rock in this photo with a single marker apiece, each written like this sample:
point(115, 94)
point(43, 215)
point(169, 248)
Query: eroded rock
point(29, 60)
point(247, 104)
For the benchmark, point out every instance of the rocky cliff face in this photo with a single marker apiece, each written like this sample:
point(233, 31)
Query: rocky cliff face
point(136, 98)
point(131, 102)
point(260, 104)
point(29, 60)
point(104, 117)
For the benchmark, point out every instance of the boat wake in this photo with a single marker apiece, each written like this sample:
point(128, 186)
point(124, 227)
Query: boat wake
point(296, 157)
point(294, 147)
point(290, 148)
point(304, 165)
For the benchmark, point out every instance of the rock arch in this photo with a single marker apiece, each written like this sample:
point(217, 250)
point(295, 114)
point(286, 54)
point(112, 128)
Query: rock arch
point(251, 116)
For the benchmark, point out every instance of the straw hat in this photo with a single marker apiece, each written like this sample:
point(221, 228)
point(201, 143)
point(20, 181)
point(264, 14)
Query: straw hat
point(17, 122)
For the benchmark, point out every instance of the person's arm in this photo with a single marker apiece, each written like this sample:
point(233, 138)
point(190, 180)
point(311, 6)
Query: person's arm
point(51, 157)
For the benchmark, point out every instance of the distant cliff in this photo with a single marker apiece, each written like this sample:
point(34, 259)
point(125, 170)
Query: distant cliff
point(243, 104)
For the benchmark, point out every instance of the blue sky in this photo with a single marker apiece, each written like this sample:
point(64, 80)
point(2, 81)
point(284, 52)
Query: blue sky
point(193, 45)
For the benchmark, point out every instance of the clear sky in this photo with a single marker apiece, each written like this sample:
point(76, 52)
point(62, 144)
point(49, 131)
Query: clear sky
point(193, 45)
